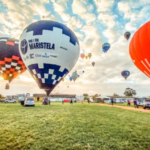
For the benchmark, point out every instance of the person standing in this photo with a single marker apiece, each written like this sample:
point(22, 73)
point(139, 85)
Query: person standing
point(49, 101)
point(135, 103)
point(112, 102)
point(128, 103)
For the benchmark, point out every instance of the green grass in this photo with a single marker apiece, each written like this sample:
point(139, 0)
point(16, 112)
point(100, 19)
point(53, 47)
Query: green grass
point(73, 127)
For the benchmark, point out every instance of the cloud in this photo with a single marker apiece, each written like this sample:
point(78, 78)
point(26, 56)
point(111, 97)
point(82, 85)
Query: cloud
point(104, 5)
point(74, 23)
point(60, 7)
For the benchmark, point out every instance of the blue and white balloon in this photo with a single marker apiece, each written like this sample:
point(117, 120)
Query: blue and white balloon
point(125, 74)
point(105, 47)
point(49, 50)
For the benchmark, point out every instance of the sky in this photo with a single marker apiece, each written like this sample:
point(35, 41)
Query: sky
point(94, 22)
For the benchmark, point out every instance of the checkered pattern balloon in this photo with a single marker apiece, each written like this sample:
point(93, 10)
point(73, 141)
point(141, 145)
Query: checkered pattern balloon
point(49, 50)
point(11, 64)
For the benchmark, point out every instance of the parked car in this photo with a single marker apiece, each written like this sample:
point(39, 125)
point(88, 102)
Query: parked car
point(146, 104)
point(29, 101)
point(10, 101)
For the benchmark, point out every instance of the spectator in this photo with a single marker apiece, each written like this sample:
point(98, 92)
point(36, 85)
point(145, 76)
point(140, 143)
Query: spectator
point(112, 101)
point(129, 103)
point(135, 103)
point(49, 101)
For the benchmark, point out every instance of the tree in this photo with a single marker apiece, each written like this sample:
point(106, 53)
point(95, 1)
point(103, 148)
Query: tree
point(115, 94)
point(129, 92)
point(94, 96)
point(1, 96)
point(86, 96)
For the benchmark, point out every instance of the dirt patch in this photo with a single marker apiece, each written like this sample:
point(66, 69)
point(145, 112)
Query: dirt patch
point(125, 107)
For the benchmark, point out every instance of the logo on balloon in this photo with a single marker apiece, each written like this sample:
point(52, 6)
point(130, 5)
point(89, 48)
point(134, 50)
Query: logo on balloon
point(24, 46)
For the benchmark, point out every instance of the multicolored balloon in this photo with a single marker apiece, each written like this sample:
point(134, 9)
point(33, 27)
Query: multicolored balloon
point(127, 35)
point(125, 74)
point(139, 49)
point(49, 50)
point(93, 64)
point(89, 55)
point(11, 64)
point(82, 55)
point(105, 47)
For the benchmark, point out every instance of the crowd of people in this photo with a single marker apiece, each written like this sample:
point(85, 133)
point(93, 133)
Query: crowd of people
point(128, 102)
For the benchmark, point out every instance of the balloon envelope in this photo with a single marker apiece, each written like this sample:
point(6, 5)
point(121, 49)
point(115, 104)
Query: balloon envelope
point(125, 73)
point(139, 49)
point(127, 35)
point(70, 78)
point(11, 64)
point(49, 50)
point(89, 55)
point(105, 47)
point(82, 55)
point(74, 76)
point(93, 63)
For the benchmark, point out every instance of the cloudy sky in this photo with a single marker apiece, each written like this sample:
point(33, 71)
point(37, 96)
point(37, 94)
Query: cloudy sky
point(94, 22)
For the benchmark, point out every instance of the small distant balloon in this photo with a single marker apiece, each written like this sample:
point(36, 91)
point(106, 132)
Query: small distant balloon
point(82, 55)
point(89, 55)
point(105, 47)
point(127, 35)
point(63, 79)
point(70, 78)
point(125, 74)
point(86, 57)
point(74, 76)
point(83, 71)
point(93, 64)
point(43, 17)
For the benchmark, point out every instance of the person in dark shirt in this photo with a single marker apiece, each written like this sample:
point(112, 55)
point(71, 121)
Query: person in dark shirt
point(112, 102)
point(135, 103)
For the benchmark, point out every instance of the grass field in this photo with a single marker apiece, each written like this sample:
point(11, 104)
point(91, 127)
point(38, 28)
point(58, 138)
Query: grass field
point(73, 127)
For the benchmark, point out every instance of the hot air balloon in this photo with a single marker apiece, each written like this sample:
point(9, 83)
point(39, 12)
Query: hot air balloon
point(127, 35)
point(83, 71)
point(78, 76)
point(63, 79)
point(43, 17)
point(139, 49)
point(11, 64)
point(70, 78)
point(93, 63)
point(52, 50)
point(86, 57)
point(74, 76)
point(105, 47)
point(125, 74)
point(67, 86)
point(89, 55)
point(82, 55)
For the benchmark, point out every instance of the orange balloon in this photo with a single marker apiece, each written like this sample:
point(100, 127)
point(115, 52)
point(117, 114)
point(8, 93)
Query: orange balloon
point(82, 55)
point(86, 57)
point(139, 49)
